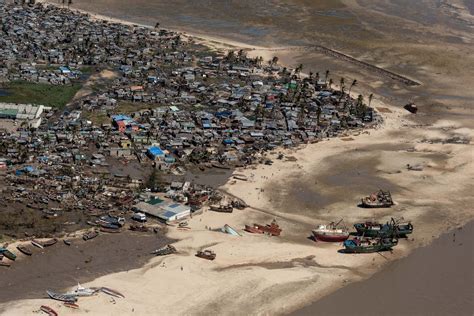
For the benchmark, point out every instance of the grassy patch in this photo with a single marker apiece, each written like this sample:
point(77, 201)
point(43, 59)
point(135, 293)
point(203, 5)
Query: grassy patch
point(97, 118)
point(39, 93)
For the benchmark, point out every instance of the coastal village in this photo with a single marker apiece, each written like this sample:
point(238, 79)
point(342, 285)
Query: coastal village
point(151, 106)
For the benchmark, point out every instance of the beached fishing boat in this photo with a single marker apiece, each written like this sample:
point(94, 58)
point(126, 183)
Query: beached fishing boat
point(392, 229)
point(37, 244)
point(240, 177)
point(272, 229)
point(331, 232)
point(221, 208)
point(139, 228)
point(82, 291)
point(229, 230)
point(367, 245)
point(206, 254)
point(7, 253)
point(71, 305)
point(109, 230)
point(111, 292)
point(166, 250)
point(48, 310)
point(90, 235)
point(49, 242)
point(253, 229)
point(62, 297)
point(24, 250)
point(377, 199)
point(67, 242)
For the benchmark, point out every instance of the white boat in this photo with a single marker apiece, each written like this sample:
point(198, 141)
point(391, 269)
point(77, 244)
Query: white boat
point(82, 291)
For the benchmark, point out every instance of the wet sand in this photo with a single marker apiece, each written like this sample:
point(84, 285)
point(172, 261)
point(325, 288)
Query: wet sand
point(60, 266)
point(435, 280)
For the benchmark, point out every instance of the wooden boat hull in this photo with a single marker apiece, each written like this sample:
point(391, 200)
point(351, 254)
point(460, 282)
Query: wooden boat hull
point(111, 292)
point(351, 247)
point(50, 242)
point(110, 231)
point(8, 254)
point(24, 250)
point(37, 244)
point(48, 310)
point(90, 235)
point(330, 237)
point(252, 229)
point(62, 297)
point(206, 255)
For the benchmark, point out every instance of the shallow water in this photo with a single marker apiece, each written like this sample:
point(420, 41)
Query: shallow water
point(434, 280)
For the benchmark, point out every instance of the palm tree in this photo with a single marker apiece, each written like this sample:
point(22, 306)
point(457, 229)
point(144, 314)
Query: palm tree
point(274, 60)
point(299, 69)
point(352, 84)
point(157, 25)
point(371, 96)
point(330, 83)
point(327, 75)
point(360, 104)
point(230, 55)
point(341, 85)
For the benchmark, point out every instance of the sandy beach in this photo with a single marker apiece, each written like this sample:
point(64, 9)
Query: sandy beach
point(318, 183)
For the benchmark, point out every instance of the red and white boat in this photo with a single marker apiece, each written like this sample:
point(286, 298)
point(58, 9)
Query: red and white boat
point(330, 233)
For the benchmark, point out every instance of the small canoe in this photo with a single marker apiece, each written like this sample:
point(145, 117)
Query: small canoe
point(166, 250)
point(37, 244)
point(110, 230)
point(49, 242)
point(206, 254)
point(90, 235)
point(24, 250)
point(67, 242)
point(8, 254)
point(71, 305)
point(48, 310)
point(62, 297)
point(111, 292)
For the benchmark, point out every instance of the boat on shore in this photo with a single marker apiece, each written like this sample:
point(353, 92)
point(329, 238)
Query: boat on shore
point(331, 232)
point(37, 244)
point(24, 250)
point(272, 229)
point(49, 242)
point(67, 242)
point(90, 235)
point(71, 305)
point(139, 228)
point(377, 199)
point(7, 254)
point(110, 230)
point(163, 251)
point(368, 245)
point(48, 310)
point(221, 208)
point(111, 292)
point(253, 229)
point(62, 297)
point(82, 291)
point(389, 229)
point(206, 254)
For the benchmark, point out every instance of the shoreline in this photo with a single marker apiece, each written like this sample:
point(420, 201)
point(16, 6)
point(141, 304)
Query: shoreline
point(198, 237)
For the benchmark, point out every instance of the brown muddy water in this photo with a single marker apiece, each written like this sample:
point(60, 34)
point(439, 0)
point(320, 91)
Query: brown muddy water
point(59, 267)
point(434, 280)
